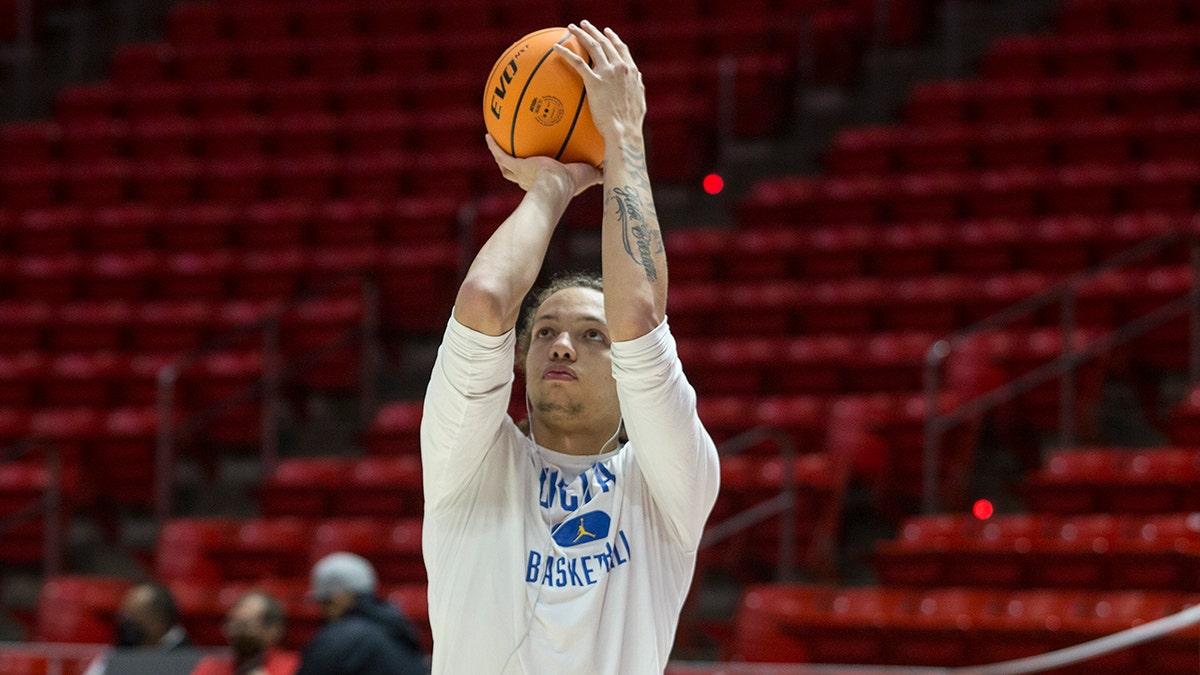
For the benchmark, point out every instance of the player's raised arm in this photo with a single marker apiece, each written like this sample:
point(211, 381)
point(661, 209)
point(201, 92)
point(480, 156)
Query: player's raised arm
point(505, 268)
point(634, 262)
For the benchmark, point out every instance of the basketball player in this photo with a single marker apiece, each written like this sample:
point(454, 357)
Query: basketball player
point(570, 548)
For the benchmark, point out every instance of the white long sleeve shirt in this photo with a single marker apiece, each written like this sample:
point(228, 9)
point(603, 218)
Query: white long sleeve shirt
point(541, 562)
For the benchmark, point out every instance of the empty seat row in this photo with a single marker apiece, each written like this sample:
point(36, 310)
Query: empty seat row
point(283, 56)
point(1118, 480)
point(951, 626)
point(319, 487)
point(264, 20)
point(1017, 192)
point(250, 178)
point(1088, 16)
point(1032, 144)
point(936, 304)
point(183, 228)
point(1044, 551)
point(875, 362)
point(101, 292)
point(762, 251)
point(301, 133)
point(1140, 95)
point(1031, 57)
point(160, 327)
point(113, 240)
point(223, 549)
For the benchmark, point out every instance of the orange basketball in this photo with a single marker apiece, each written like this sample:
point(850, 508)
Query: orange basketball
point(535, 102)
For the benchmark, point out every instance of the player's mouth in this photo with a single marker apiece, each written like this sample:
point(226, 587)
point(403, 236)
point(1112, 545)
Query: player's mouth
point(560, 373)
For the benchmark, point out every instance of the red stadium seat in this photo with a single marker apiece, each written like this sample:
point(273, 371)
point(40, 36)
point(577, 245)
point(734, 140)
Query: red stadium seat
point(53, 230)
point(1072, 481)
point(137, 63)
point(395, 430)
point(418, 283)
point(171, 327)
point(200, 275)
point(241, 179)
point(23, 484)
point(79, 609)
point(276, 224)
point(398, 559)
point(125, 455)
point(93, 140)
point(28, 142)
point(265, 548)
point(90, 326)
point(20, 373)
point(25, 325)
point(382, 487)
point(347, 222)
point(413, 601)
point(222, 376)
point(125, 228)
point(183, 545)
point(197, 227)
point(304, 487)
point(309, 177)
point(121, 276)
point(230, 136)
point(269, 274)
point(52, 278)
point(32, 185)
point(78, 379)
point(363, 536)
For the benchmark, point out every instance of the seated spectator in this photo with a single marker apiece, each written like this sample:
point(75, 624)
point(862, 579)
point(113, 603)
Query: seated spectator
point(254, 628)
point(149, 618)
point(363, 634)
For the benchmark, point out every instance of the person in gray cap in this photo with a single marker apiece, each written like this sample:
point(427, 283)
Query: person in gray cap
point(362, 634)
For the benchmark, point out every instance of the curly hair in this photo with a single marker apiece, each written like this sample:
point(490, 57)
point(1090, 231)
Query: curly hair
point(540, 295)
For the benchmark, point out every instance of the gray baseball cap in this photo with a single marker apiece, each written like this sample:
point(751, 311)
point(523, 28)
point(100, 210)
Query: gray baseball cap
point(342, 572)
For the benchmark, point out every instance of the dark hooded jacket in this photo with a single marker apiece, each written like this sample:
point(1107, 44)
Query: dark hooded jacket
point(372, 638)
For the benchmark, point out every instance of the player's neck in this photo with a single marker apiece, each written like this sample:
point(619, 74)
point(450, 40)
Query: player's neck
point(581, 441)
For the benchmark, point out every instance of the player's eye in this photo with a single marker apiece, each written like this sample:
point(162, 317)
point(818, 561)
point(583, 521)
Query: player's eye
point(543, 332)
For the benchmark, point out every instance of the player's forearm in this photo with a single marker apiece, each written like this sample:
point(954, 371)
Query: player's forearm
point(507, 265)
point(634, 261)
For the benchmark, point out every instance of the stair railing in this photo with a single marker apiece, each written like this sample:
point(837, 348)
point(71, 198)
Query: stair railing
point(1063, 367)
point(173, 427)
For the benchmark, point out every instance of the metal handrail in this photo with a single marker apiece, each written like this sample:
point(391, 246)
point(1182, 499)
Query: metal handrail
point(48, 506)
point(268, 387)
point(1066, 294)
point(782, 503)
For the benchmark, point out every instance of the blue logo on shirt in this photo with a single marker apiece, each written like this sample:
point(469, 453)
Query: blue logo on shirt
point(582, 529)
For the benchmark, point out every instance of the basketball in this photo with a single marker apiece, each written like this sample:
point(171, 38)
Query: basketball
point(535, 103)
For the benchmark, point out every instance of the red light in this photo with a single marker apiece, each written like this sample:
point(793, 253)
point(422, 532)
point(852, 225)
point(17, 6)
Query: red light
point(713, 183)
point(983, 509)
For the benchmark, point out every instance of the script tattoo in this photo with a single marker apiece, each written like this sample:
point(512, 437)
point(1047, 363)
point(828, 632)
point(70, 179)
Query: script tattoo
point(639, 222)
point(642, 241)
point(635, 160)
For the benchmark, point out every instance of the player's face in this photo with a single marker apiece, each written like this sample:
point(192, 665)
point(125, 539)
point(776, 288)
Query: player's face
point(568, 368)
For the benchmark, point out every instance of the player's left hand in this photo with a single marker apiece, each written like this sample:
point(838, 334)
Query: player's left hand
point(615, 91)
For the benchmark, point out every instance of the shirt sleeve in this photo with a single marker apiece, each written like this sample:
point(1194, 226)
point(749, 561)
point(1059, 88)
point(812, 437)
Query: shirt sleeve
point(676, 455)
point(466, 404)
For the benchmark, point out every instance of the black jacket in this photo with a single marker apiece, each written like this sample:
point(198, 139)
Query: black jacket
point(372, 638)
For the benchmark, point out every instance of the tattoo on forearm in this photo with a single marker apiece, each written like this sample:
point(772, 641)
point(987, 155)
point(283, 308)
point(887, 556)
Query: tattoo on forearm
point(635, 161)
point(641, 238)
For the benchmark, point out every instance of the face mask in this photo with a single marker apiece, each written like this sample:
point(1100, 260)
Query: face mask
point(129, 633)
point(245, 646)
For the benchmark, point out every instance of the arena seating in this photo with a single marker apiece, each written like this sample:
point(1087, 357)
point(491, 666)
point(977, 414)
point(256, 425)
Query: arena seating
point(266, 148)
